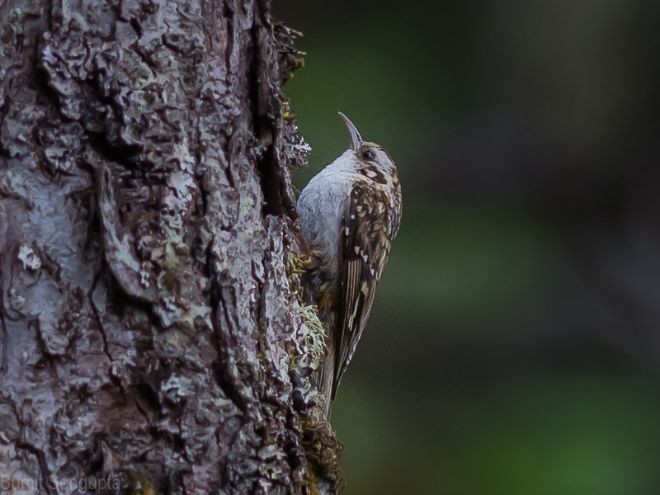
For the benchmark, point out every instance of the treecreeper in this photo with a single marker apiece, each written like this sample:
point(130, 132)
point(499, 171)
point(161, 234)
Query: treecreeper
point(349, 214)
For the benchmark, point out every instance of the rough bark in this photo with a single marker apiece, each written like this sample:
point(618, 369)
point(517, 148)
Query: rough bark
point(152, 335)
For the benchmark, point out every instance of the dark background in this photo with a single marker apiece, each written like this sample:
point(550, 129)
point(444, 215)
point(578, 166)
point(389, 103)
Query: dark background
point(514, 346)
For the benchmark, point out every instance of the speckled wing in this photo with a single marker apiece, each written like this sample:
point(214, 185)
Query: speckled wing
point(364, 247)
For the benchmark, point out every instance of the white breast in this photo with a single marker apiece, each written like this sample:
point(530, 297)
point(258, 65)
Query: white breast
point(321, 207)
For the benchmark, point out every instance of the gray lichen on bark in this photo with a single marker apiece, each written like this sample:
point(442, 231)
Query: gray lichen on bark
point(152, 335)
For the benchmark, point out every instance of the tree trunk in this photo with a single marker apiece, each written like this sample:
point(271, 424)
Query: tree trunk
point(152, 333)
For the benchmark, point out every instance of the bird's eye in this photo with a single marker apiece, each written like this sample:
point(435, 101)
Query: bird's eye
point(368, 155)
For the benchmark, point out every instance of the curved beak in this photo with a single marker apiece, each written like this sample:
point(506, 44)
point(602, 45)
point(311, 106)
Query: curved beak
point(356, 138)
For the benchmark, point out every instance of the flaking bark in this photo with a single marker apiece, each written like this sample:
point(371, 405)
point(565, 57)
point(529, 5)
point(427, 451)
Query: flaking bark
point(152, 335)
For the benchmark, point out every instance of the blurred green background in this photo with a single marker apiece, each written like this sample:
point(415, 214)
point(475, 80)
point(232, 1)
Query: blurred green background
point(514, 346)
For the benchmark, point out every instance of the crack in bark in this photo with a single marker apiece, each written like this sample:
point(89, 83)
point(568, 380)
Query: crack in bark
point(4, 109)
point(48, 11)
point(3, 327)
point(224, 377)
point(268, 169)
point(228, 15)
point(48, 483)
point(35, 326)
point(97, 317)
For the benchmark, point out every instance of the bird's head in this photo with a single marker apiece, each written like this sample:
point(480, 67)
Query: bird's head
point(369, 159)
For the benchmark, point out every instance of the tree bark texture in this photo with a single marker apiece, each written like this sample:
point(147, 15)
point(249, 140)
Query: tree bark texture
point(153, 336)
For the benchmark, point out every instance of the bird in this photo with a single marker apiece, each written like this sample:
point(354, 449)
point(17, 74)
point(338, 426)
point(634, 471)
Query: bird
point(349, 213)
